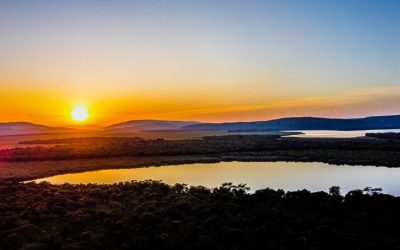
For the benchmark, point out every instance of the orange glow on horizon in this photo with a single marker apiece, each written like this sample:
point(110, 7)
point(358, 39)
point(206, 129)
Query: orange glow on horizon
point(55, 110)
point(244, 62)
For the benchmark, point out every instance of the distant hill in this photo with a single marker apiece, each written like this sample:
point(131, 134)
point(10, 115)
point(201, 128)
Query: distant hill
point(283, 124)
point(303, 123)
point(149, 125)
point(22, 128)
point(85, 127)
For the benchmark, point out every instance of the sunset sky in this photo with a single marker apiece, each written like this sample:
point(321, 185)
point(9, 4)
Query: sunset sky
point(198, 60)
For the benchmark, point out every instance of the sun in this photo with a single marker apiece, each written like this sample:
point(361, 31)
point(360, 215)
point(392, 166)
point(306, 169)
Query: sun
point(80, 113)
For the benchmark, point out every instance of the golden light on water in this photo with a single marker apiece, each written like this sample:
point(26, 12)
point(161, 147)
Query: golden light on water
point(80, 114)
point(257, 175)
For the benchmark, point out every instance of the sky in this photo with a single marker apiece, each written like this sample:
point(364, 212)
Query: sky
point(203, 60)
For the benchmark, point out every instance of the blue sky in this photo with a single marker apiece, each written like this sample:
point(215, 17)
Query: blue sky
point(207, 60)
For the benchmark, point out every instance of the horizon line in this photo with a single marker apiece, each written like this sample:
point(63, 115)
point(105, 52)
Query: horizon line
point(82, 125)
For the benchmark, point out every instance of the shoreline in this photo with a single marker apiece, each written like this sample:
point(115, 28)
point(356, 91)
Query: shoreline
point(22, 164)
point(27, 171)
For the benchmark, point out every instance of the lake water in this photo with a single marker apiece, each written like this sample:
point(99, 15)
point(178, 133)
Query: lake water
point(257, 175)
point(338, 134)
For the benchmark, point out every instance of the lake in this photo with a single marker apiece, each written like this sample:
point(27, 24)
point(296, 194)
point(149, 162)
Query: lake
point(257, 175)
point(338, 133)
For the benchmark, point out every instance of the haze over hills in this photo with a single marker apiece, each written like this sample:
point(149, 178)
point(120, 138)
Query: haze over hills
point(149, 125)
point(282, 124)
point(22, 128)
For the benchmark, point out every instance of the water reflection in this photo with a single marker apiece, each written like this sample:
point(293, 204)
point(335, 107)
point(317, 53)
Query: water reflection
point(257, 175)
point(338, 133)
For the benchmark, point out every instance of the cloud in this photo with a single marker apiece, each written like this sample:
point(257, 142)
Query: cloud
point(333, 105)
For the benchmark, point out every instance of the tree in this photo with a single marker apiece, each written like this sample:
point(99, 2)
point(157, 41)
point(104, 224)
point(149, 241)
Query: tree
point(335, 191)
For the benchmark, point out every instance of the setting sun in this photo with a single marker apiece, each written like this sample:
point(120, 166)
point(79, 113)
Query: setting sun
point(207, 124)
point(80, 113)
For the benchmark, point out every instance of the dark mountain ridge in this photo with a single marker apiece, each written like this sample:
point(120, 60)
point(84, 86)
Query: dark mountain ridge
point(304, 123)
point(282, 124)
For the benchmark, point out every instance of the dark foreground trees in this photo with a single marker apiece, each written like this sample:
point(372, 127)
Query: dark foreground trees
point(153, 215)
point(387, 136)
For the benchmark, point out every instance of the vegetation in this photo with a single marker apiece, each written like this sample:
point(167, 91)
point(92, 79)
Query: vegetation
point(95, 153)
point(153, 215)
point(83, 140)
point(388, 135)
point(86, 148)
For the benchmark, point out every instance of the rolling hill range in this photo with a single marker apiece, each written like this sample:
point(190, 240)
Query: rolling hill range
point(148, 125)
point(303, 123)
point(283, 124)
point(24, 128)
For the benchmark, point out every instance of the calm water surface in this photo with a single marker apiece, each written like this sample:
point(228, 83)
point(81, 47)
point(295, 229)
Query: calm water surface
point(257, 175)
point(339, 134)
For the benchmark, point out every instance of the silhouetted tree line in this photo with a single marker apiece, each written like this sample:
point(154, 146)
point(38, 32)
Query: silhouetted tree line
point(116, 147)
point(388, 135)
point(153, 215)
point(82, 140)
